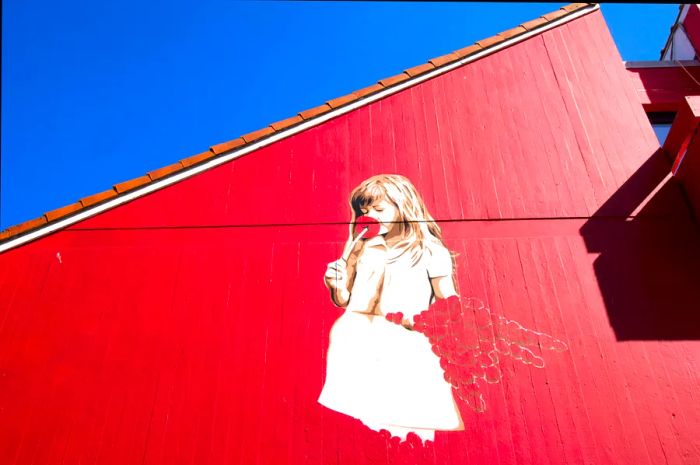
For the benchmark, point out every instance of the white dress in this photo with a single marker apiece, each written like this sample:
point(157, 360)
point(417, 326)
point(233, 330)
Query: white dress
point(377, 371)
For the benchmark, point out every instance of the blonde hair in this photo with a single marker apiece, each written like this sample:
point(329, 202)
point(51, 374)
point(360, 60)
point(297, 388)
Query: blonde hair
point(415, 223)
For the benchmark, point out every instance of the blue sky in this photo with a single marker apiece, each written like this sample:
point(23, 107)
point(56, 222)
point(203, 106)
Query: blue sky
point(95, 93)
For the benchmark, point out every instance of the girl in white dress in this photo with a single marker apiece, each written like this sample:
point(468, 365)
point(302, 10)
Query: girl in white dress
point(381, 373)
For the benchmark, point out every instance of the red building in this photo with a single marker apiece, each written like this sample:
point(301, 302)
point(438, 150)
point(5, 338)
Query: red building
point(182, 317)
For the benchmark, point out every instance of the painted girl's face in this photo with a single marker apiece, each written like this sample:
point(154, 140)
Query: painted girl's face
point(385, 213)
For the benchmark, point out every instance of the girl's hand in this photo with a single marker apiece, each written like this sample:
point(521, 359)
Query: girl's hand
point(336, 276)
point(399, 319)
point(336, 280)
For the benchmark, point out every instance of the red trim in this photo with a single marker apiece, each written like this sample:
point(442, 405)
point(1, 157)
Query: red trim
point(688, 173)
point(664, 88)
point(691, 24)
point(684, 126)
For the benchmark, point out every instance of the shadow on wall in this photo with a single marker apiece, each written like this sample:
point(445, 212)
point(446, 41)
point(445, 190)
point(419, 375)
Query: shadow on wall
point(648, 270)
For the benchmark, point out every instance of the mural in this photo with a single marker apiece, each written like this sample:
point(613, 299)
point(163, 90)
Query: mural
point(408, 352)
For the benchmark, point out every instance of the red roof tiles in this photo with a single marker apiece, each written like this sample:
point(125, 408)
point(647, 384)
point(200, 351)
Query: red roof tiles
point(340, 101)
point(194, 159)
point(489, 41)
point(255, 135)
point(63, 211)
point(420, 69)
point(554, 15)
point(393, 80)
point(535, 23)
point(131, 184)
point(466, 51)
point(285, 123)
point(516, 31)
point(97, 198)
point(26, 226)
point(444, 59)
point(166, 170)
point(365, 91)
point(230, 145)
point(225, 147)
point(571, 7)
point(310, 113)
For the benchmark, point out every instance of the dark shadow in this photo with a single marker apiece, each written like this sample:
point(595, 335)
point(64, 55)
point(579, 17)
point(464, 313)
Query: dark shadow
point(648, 270)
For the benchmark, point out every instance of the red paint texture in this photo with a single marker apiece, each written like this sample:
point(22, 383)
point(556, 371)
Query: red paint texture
point(684, 127)
point(665, 88)
point(688, 173)
point(191, 325)
point(471, 342)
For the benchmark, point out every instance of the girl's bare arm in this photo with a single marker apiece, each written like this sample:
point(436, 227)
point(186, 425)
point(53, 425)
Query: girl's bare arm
point(336, 280)
point(443, 286)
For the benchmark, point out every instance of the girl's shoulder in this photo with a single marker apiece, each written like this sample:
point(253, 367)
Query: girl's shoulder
point(439, 258)
point(434, 246)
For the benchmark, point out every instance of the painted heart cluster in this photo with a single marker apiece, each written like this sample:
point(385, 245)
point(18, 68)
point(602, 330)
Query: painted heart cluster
point(412, 450)
point(395, 317)
point(470, 339)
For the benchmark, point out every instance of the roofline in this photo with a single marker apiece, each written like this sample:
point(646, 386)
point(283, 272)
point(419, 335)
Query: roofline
point(676, 24)
point(661, 64)
point(225, 152)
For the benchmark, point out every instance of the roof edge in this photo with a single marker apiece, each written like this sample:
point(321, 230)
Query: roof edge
point(224, 152)
point(660, 64)
point(673, 27)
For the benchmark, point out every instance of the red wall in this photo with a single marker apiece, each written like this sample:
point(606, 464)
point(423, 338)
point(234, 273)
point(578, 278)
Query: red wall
point(188, 326)
point(691, 25)
point(664, 88)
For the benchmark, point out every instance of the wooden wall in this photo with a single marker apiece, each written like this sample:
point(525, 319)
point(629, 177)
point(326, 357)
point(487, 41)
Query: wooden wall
point(191, 325)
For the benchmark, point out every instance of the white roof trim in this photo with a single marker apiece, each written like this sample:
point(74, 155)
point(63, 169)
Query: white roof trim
point(283, 134)
point(684, 12)
point(661, 64)
point(676, 36)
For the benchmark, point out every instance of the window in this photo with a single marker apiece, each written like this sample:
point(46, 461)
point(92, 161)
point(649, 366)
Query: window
point(661, 122)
